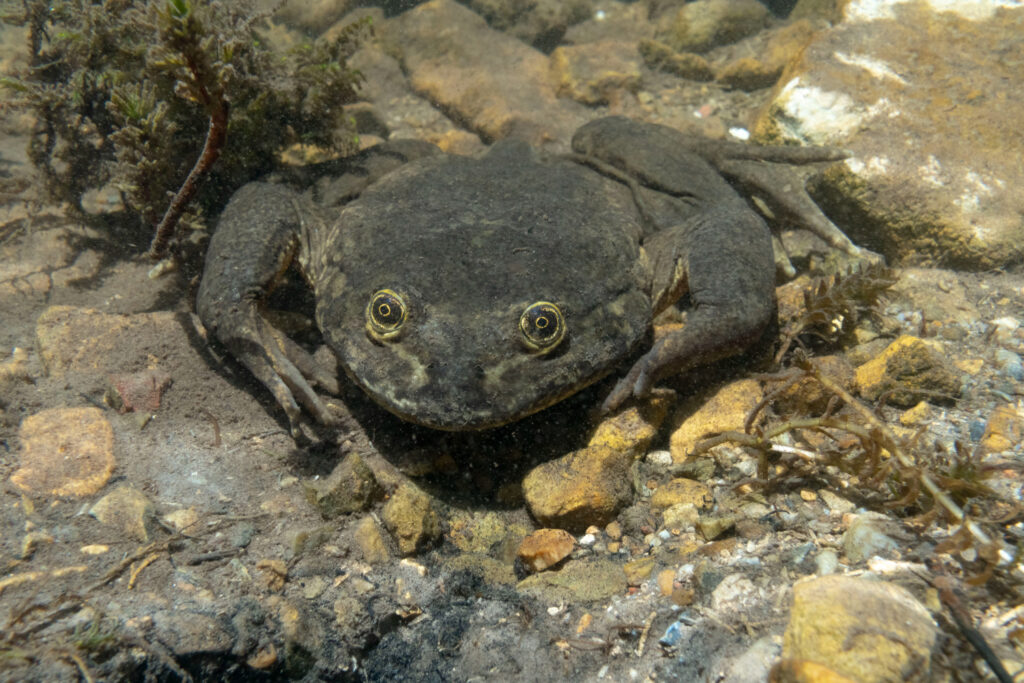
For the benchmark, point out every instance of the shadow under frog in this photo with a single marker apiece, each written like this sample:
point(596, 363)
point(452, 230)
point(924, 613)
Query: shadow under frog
point(463, 294)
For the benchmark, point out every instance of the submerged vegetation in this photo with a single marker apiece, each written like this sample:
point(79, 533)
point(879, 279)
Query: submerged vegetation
point(146, 95)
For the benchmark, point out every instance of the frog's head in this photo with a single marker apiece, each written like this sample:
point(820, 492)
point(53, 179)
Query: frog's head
point(458, 304)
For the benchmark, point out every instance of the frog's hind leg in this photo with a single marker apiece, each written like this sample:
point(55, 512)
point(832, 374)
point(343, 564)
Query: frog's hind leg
point(723, 258)
point(256, 239)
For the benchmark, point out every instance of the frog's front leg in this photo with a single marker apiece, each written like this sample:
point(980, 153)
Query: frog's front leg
point(723, 258)
point(256, 238)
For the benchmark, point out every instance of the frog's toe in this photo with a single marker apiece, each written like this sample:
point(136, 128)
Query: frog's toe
point(783, 190)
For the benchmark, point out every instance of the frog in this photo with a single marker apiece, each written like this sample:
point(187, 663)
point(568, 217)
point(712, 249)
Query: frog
point(465, 293)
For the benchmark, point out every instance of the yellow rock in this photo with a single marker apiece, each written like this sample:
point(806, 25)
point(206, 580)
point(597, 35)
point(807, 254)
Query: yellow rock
point(1004, 429)
point(907, 371)
point(638, 571)
point(632, 429)
point(371, 541)
point(862, 629)
point(585, 487)
point(126, 509)
point(545, 548)
point(917, 415)
point(726, 410)
point(65, 452)
point(410, 517)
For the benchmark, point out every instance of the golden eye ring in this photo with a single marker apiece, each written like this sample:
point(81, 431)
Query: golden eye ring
point(542, 326)
point(386, 313)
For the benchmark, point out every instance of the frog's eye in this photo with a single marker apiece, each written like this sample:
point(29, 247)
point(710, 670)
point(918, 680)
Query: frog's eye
point(385, 314)
point(542, 325)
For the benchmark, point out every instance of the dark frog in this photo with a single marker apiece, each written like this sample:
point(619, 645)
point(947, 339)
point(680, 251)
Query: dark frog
point(465, 293)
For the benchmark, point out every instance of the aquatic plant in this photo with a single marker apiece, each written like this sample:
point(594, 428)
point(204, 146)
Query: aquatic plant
point(175, 103)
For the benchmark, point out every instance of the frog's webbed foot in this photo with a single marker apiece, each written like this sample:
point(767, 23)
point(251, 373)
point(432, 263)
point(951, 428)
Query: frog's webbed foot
point(281, 365)
point(769, 173)
point(256, 238)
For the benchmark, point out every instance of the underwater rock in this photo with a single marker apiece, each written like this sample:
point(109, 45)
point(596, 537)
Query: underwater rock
point(927, 98)
point(865, 630)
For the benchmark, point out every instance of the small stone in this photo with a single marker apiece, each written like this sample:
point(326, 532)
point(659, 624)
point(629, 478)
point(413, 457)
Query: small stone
point(666, 582)
point(638, 571)
point(713, 526)
point(918, 415)
point(410, 517)
point(371, 542)
point(826, 562)
point(614, 531)
point(596, 73)
point(836, 504)
point(545, 548)
point(907, 371)
point(1010, 363)
point(725, 410)
point(631, 430)
point(680, 516)
point(350, 487)
point(864, 538)
point(128, 510)
point(733, 593)
point(138, 391)
point(275, 573)
point(585, 487)
point(808, 396)
point(94, 549)
point(682, 492)
point(65, 452)
point(191, 633)
point(182, 519)
point(866, 630)
point(1004, 429)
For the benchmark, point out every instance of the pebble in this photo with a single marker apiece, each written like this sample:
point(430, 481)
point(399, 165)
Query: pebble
point(682, 492)
point(726, 409)
point(65, 452)
point(1010, 363)
point(545, 548)
point(127, 510)
point(865, 538)
point(907, 371)
point(350, 487)
point(410, 517)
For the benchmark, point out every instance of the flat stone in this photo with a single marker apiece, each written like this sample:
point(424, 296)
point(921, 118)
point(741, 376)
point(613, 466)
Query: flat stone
point(682, 492)
point(908, 371)
point(410, 517)
point(862, 629)
point(808, 396)
point(138, 391)
point(725, 410)
point(72, 339)
point(545, 548)
point(127, 510)
point(926, 95)
point(497, 85)
point(577, 581)
point(65, 452)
